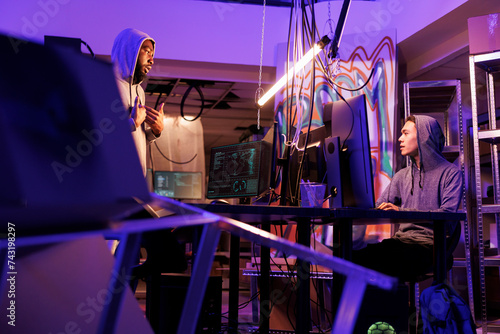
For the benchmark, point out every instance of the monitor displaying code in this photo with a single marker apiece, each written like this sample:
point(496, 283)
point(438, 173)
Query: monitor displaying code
point(178, 185)
point(240, 170)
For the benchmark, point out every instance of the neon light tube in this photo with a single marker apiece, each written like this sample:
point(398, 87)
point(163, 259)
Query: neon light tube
point(291, 72)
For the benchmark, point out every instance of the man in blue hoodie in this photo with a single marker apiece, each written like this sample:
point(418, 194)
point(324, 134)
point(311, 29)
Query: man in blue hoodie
point(430, 183)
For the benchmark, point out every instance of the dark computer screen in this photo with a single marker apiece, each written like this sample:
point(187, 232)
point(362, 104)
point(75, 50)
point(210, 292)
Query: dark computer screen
point(178, 185)
point(349, 166)
point(239, 170)
point(313, 163)
point(65, 147)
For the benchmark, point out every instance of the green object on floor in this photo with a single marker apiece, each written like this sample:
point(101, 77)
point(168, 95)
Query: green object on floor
point(381, 327)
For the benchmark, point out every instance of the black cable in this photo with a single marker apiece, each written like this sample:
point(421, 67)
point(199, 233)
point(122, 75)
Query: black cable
point(245, 304)
point(88, 48)
point(297, 104)
point(352, 124)
point(157, 100)
point(240, 306)
point(357, 88)
point(311, 33)
point(325, 69)
point(288, 110)
point(150, 148)
point(307, 28)
point(287, 116)
point(313, 82)
point(343, 99)
point(289, 282)
point(319, 306)
point(289, 101)
point(151, 159)
point(198, 89)
point(172, 161)
point(289, 275)
point(255, 259)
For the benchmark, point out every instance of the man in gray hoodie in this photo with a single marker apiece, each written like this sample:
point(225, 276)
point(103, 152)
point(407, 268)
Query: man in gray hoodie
point(132, 56)
point(430, 183)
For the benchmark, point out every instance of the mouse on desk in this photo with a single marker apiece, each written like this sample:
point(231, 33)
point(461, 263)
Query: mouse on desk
point(219, 201)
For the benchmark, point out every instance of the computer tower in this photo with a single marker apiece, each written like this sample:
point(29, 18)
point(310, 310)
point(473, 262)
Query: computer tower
point(165, 313)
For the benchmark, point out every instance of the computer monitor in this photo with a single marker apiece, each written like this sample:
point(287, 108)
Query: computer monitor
point(313, 163)
point(272, 138)
point(349, 165)
point(178, 185)
point(239, 170)
point(68, 159)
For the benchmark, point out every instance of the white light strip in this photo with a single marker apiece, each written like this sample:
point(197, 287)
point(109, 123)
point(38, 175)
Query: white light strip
point(291, 72)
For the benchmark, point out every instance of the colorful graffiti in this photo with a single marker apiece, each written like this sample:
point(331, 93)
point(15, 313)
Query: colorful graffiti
point(355, 70)
point(377, 59)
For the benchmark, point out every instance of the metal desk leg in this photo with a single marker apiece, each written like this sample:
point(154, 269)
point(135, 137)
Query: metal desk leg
point(439, 251)
point(234, 283)
point(265, 269)
point(342, 247)
point(127, 253)
point(346, 239)
point(153, 296)
point(303, 318)
point(199, 279)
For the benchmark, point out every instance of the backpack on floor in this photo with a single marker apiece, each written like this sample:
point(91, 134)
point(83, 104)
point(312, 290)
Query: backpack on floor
point(444, 311)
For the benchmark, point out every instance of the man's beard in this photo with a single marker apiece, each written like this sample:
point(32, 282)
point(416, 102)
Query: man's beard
point(139, 75)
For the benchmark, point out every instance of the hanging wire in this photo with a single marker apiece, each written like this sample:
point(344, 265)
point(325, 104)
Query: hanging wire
point(332, 68)
point(173, 161)
point(183, 101)
point(88, 48)
point(287, 99)
point(260, 90)
point(298, 53)
point(330, 21)
point(311, 34)
point(302, 37)
point(356, 88)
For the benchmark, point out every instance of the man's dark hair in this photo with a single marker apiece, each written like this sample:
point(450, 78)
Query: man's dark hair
point(410, 118)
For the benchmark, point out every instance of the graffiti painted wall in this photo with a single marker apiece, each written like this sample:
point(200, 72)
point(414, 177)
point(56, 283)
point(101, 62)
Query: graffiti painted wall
point(375, 61)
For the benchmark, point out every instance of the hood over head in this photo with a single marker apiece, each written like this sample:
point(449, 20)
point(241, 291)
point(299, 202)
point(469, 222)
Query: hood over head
point(431, 140)
point(126, 50)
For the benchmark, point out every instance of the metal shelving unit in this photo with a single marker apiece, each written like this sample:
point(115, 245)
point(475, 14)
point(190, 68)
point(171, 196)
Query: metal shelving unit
point(485, 131)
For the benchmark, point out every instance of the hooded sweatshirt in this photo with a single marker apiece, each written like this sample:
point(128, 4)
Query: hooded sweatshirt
point(124, 56)
point(435, 186)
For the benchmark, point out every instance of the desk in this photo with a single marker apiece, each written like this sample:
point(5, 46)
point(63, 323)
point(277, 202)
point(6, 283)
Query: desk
point(111, 315)
point(344, 219)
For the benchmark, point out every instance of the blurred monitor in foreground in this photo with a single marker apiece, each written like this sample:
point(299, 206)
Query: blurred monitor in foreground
point(68, 158)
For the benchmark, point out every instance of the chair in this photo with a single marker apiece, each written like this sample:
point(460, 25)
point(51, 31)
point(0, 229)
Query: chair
point(414, 293)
